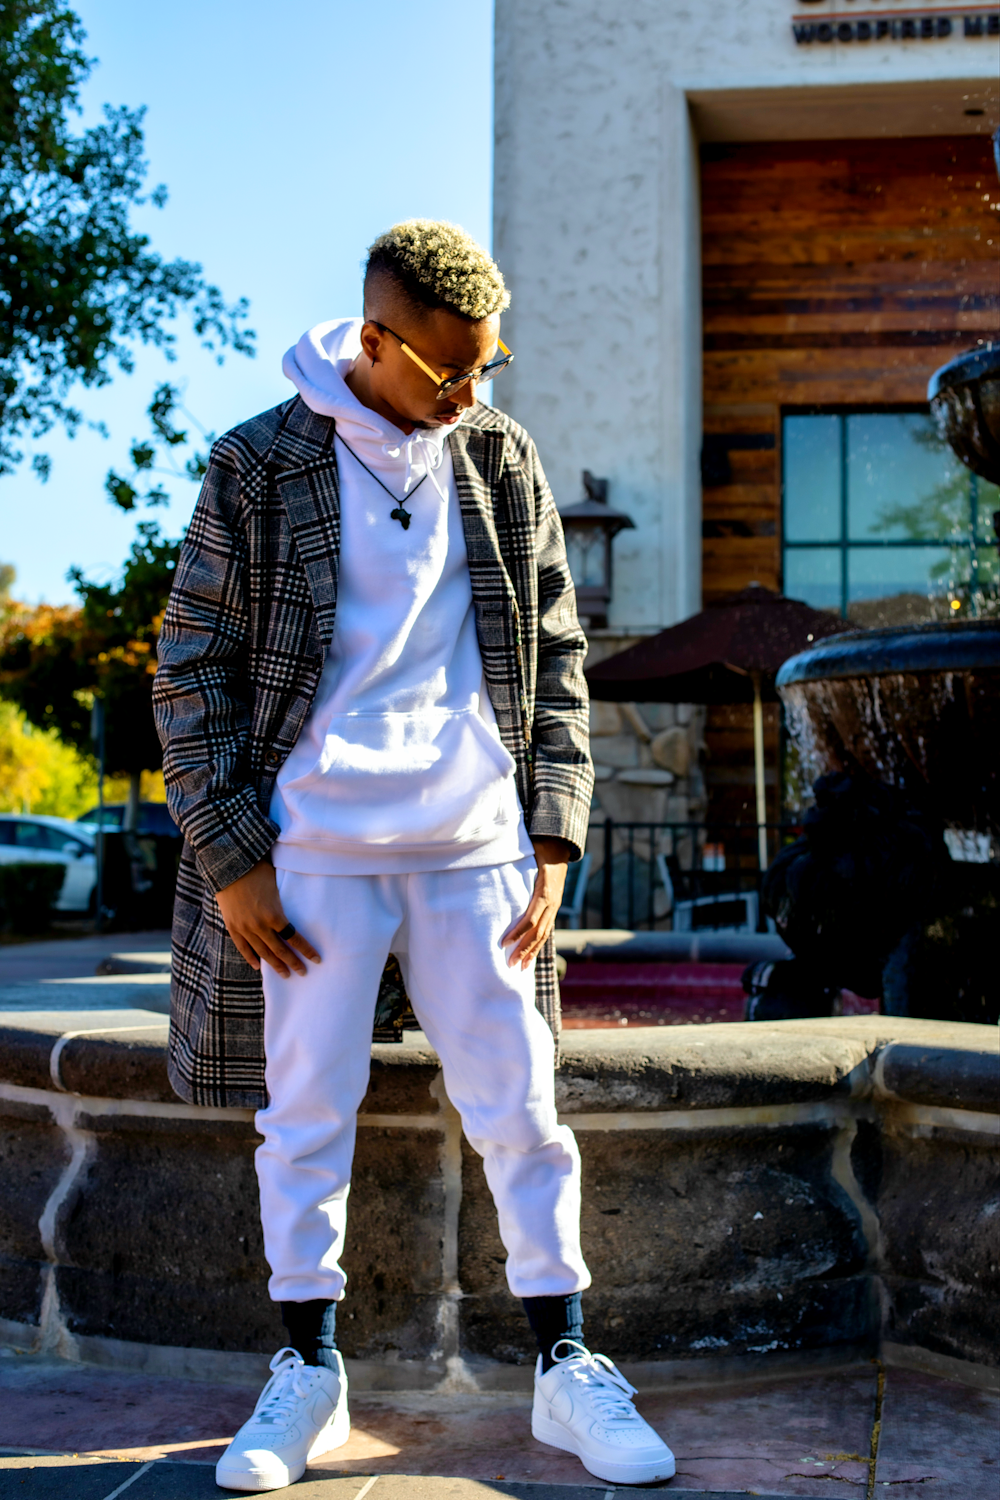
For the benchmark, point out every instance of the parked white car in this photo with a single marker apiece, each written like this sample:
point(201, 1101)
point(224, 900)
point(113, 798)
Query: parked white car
point(35, 839)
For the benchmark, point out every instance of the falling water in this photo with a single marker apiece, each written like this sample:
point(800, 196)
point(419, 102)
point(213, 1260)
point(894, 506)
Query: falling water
point(934, 733)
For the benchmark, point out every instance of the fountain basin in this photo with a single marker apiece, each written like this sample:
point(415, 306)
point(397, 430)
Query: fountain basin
point(917, 706)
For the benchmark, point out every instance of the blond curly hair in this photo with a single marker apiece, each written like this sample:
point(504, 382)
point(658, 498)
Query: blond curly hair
point(439, 265)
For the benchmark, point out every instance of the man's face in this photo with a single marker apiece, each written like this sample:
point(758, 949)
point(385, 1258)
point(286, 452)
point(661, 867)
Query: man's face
point(448, 344)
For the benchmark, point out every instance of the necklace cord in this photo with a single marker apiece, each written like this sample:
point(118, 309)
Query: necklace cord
point(400, 512)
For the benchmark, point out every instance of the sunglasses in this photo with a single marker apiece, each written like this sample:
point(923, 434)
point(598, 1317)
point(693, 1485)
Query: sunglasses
point(445, 385)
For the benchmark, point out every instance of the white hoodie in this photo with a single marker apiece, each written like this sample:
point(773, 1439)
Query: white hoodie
point(399, 766)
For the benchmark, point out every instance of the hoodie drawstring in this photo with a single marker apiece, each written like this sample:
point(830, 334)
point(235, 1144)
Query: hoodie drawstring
point(431, 454)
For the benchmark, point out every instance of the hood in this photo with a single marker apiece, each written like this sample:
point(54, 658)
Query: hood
point(317, 365)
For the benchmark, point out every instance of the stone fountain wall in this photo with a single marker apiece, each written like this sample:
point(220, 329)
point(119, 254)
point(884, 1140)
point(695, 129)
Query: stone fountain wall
point(754, 1195)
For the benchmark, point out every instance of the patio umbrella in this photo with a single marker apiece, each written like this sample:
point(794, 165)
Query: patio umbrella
point(729, 653)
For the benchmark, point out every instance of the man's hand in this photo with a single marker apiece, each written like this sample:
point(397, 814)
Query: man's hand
point(251, 910)
point(529, 932)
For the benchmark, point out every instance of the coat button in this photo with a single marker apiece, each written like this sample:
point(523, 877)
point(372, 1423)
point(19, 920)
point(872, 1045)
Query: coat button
point(272, 758)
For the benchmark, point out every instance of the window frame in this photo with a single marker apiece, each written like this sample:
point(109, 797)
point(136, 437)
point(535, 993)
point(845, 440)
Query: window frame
point(845, 545)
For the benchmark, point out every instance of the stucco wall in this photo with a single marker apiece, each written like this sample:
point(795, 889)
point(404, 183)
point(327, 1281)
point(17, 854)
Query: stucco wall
point(596, 225)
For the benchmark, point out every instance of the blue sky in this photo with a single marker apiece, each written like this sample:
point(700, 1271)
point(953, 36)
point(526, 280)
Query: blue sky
point(288, 138)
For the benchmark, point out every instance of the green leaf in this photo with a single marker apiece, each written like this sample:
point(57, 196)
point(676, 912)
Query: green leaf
point(120, 491)
point(143, 455)
point(79, 287)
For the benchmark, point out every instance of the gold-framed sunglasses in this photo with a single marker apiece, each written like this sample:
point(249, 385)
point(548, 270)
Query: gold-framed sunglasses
point(447, 384)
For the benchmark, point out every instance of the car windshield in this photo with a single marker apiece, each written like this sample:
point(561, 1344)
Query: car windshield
point(106, 817)
point(154, 818)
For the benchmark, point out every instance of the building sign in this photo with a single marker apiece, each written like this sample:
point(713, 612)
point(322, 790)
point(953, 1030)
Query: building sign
point(872, 26)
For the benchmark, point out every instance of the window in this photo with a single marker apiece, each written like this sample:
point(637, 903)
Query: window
point(31, 836)
point(881, 523)
point(27, 835)
point(585, 556)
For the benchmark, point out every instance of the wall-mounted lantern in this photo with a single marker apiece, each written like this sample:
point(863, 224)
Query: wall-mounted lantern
point(590, 528)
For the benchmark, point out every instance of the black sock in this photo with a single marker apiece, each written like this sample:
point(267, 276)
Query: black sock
point(312, 1330)
point(552, 1319)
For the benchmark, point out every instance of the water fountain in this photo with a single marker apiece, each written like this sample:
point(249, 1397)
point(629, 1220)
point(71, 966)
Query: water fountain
point(915, 708)
point(918, 706)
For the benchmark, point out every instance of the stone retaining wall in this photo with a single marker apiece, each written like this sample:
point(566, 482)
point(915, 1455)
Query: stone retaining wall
point(805, 1189)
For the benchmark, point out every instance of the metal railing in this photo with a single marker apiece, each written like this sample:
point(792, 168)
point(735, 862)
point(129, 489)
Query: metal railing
point(649, 875)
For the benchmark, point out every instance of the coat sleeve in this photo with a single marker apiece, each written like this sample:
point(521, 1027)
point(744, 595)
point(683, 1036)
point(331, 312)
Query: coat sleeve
point(563, 771)
point(201, 698)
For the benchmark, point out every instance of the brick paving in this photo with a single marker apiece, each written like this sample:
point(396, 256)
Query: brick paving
point(75, 1432)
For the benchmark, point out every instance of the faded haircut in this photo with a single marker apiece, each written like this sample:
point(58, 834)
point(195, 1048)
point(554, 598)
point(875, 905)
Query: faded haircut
point(432, 264)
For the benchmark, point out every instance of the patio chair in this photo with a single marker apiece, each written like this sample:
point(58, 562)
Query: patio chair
point(728, 911)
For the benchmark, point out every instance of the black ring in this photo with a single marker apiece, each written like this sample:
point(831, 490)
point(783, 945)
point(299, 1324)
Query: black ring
point(288, 931)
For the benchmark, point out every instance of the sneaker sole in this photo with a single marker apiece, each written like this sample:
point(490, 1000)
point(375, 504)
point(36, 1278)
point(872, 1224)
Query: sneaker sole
point(253, 1484)
point(556, 1436)
point(331, 1437)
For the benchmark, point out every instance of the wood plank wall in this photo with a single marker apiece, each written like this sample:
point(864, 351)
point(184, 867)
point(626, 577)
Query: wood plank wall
point(836, 273)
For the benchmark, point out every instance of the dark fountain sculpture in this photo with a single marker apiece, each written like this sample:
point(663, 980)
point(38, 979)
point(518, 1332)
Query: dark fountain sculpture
point(894, 889)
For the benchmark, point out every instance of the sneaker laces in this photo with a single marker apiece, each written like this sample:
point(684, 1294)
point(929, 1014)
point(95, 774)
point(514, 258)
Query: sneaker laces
point(292, 1380)
point(608, 1390)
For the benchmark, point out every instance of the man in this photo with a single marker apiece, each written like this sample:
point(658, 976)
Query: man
point(374, 719)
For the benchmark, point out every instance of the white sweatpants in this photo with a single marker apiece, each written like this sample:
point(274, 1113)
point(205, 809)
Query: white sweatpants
point(496, 1054)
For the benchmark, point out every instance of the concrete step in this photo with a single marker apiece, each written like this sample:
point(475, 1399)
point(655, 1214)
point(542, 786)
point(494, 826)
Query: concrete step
point(135, 991)
point(135, 963)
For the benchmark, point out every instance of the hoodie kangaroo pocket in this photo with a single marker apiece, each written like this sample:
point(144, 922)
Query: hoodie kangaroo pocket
point(402, 780)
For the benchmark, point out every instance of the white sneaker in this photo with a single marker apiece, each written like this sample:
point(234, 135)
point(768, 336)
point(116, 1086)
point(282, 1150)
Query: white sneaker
point(584, 1406)
point(302, 1412)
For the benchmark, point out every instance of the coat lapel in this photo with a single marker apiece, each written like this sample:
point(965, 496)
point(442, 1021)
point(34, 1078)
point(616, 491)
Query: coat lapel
point(305, 466)
point(477, 459)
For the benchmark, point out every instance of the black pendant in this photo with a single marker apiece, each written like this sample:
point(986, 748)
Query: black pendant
point(402, 516)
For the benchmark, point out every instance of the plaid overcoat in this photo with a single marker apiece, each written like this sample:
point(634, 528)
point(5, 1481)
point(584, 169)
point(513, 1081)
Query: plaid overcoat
point(242, 646)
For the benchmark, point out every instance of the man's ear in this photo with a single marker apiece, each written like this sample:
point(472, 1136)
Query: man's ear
point(371, 340)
